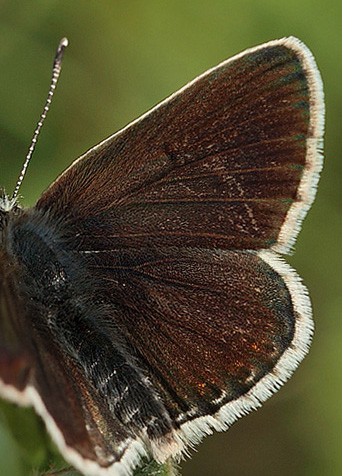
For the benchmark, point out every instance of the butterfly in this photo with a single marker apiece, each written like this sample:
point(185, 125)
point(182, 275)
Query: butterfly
point(144, 299)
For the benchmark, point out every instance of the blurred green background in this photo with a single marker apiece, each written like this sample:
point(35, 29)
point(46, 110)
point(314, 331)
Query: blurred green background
point(125, 56)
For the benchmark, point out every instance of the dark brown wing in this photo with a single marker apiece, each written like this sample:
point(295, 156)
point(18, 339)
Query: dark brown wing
point(208, 325)
point(223, 163)
point(15, 359)
point(160, 316)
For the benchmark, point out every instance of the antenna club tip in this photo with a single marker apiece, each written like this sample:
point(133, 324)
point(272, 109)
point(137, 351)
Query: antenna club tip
point(60, 50)
point(64, 42)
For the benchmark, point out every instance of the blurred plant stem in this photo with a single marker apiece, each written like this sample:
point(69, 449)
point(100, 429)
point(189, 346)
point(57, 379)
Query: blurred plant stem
point(37, 450)
point(147, 468)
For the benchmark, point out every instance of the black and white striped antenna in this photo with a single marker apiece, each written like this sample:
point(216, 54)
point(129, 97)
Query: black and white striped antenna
point(57, 65)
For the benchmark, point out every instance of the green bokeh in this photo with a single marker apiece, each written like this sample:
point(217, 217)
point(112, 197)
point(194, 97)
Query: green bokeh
point(124, 57)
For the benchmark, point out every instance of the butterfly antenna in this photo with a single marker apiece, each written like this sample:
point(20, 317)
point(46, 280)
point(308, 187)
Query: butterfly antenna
point(57, 65)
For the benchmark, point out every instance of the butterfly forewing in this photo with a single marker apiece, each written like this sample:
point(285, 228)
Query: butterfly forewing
point(216, 165)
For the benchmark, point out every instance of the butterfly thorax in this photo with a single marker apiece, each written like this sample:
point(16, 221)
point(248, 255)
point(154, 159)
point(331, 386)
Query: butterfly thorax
point(63, 307)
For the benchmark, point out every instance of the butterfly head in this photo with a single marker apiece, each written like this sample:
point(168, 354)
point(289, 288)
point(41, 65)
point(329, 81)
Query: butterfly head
point(6, 203)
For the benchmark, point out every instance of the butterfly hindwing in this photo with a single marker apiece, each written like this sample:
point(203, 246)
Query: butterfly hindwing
point(208, 325)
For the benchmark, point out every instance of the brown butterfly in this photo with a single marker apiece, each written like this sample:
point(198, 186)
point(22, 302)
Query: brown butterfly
point(143, 299)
